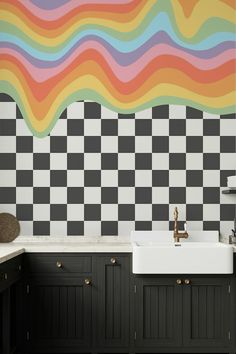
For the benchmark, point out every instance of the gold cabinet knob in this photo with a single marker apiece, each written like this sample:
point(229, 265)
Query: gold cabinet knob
point(87, 281)
point(187, 281)
point(113, 260)
point(178, 281)
point(59, 264)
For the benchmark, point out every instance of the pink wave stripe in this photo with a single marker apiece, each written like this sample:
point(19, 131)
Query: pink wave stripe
point(55, 14)
point(123, 73)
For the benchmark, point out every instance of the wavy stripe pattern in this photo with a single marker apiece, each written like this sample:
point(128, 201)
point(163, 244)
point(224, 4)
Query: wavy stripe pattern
point(125, 54)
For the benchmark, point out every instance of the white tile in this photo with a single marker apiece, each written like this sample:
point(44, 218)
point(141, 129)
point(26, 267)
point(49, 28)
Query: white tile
point(92, 127)
point(24, 195)
point(211, 144)
point(58, 195)
point(160, 195)
point(211, 178)
point(194, 161)
point(7, 144)
point(160, 225)
point(211, 212)
point(58, 228)
point(26, 228)
point(181, 209)
point(7, 110)
point(160, 127)
point(60, 128)
point(126, 161)
point(177, 144)
point(227, 198)
point(143, 212)
point(226, 227)
point(75, 144)
point(75, 212)
point(109, 144)
point(109, 178)
point(160, 161)
point(75, 178)
point(58, 161)
point(194, 226)
point(22, 128)
point(126, 127)
point(177, 178)
point(194, 127)
point(41, 212)
point(8, 208)
point(41, 178)
point(41, 144)
point(92, 161)
point(126, 195)
point(208, 115)
point(144, 114)
point(7, 178)
point(228, 127)
point(143, 144)
point(92, 228)
point(24, 161)
point(75, 110)
point(106, 113)
point(194, 195)
point(109, 212)
point(92, 195)
point(143, 178)
point(125, 227)
point(177, 112)
point(228, 161)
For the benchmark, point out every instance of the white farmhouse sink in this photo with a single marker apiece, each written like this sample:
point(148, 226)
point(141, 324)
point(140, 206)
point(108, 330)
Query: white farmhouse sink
point(153, 256)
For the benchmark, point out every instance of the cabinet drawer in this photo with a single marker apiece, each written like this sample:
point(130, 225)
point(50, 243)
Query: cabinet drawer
point(58, 263)
point(10, 272)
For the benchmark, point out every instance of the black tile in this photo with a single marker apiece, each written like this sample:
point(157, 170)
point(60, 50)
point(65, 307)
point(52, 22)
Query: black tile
point(41, 195)
point(160, 178)
point(211, 161)
point(7, 127)
point(143, 195)
point(180, 224)
point(92, 178)
point(41, 161)
point(126, 178)
point(18, 113)
point(75, 127)
point(228, 116)
point(75, 161)
point(109, 161)
point(92, 144)
point(194, 143)
point(161, 112)
point(177, 161)
point(143, 127)
point(92, 110)
point(63, 115)
point(109, 127)
point(7, 195)
point(177, 127)
point(58, 212)
point(5, 98)
point(126, 144)
point(109, 228)
point(227, 212)
point(194, 178)
point(24, 212)
point(126, 116)
point(211, 225)
point(75, 228)
point(193, 113)
point(143, 225)
point(143, 161)
point(177, 195)
point(126, 212)
point(24, 144)
point(160, 144)
point(211, 127)
point(58, 178)
point(24, 178)
point(75, 195)
point(211, 195)
point(41, 228)
point(160, 212)
point(228, 144)
point(223, 176)
point(7, 161)
point(58, 144)
point(109, 195)
point(194, 212)
point(92, 212)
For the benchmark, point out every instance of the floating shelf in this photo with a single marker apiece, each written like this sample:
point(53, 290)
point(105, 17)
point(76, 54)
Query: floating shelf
point(229, 191)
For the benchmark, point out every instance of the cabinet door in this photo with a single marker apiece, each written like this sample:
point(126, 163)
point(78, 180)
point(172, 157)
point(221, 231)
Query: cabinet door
point(206, 312)
point(112, 300)
point(158, 310)
point(59, 314)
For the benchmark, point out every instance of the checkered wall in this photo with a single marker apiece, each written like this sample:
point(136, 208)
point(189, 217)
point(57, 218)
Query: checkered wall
point(103, 173)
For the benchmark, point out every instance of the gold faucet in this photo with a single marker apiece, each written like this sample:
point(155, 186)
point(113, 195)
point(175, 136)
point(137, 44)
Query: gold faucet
point(177, 234)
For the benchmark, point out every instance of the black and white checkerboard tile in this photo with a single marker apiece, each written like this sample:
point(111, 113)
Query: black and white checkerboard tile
point(103, 173)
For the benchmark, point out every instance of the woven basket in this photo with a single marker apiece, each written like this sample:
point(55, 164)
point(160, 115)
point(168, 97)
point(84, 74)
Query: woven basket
point(9, 227)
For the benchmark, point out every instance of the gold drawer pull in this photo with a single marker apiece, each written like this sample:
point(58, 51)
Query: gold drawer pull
point(187, 281)
point(113, 260)
point(5, 276)
point(59, 264)
point(178, 281)
point(87, 281)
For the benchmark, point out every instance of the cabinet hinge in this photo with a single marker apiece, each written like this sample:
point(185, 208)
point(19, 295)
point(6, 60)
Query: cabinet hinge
point(135, 335)
point(229, 335)
point(27, 289)
point(135, 289)
point(27, 335)
point(229, 288)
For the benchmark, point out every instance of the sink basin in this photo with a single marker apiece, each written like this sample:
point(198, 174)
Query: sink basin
point(153, 256)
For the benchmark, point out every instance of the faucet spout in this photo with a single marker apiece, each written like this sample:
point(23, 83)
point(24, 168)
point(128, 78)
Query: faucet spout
point(177, 234)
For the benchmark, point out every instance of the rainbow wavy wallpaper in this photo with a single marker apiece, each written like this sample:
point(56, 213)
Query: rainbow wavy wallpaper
point(127, 55)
